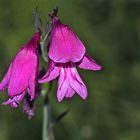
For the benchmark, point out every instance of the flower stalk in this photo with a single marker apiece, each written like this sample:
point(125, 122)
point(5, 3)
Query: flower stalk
point(47, 133)
point(46, 118)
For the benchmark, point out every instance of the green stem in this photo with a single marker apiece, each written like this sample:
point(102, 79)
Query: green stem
point(44, 56)
point(43, 45)
point(45, 122)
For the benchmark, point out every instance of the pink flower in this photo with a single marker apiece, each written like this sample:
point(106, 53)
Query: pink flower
point(69, 80)
point(66, 51)
point(22, 73)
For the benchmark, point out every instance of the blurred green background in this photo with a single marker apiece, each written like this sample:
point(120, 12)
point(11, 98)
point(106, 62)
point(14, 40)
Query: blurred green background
point(110, 30)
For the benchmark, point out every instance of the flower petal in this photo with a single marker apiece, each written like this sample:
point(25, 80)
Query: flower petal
point(35, 39)
point(70, 92)
point(89, 63)
point(52, 73)
point(32, 83)
point(6, 78)
point(77, 84)
point(23, 65)
point(63, 84)
point(15, 101)
point(65, 45)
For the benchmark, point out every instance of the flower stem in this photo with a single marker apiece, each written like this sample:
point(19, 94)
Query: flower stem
point(45, 123)
point(47, 133)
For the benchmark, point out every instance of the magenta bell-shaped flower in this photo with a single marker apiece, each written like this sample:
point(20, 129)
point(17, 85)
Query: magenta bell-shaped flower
point(66, 51)
point(22, 74)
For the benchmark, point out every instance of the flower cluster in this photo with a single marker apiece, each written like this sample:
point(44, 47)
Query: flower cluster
point(66, 52)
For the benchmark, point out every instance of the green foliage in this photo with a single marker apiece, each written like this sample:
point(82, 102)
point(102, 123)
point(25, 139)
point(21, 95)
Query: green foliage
point(111, 33)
